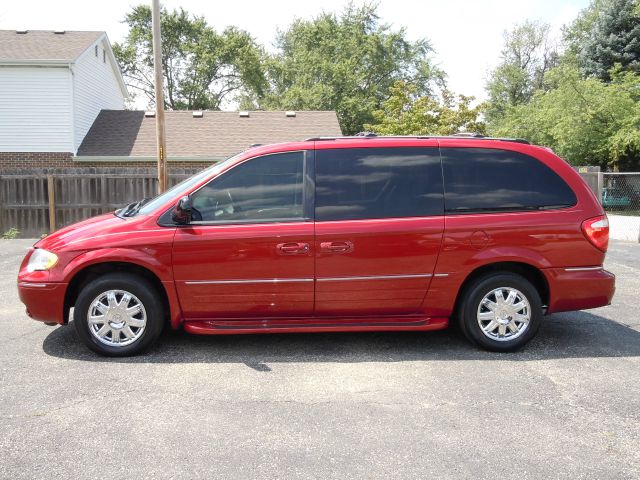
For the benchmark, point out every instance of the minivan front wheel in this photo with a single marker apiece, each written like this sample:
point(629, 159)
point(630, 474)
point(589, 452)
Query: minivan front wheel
point(500, 312)
point(118, 314)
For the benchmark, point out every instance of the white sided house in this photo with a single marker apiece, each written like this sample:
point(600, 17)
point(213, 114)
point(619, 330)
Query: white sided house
point(53, 84)
point(62, 99)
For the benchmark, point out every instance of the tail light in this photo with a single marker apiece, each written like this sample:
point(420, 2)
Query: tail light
point(596, 230)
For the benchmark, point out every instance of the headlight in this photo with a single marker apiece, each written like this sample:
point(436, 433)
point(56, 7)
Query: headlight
point(41, 260)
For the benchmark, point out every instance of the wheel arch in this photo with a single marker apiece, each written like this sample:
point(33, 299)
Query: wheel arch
point(92, 271)
point(526, 270)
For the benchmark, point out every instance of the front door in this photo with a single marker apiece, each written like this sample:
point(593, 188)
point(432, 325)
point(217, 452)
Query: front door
point(249, 250)
point(379, 227)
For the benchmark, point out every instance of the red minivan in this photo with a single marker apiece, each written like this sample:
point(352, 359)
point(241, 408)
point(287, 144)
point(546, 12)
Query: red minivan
point(335, 234)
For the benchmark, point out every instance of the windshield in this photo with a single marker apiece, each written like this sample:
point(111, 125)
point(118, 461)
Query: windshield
point(178, 190)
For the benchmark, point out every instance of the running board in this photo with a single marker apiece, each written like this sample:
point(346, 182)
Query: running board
point(298, 325)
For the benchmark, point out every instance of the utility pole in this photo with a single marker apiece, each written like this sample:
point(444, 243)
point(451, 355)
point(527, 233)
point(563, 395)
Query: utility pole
point(159, 94)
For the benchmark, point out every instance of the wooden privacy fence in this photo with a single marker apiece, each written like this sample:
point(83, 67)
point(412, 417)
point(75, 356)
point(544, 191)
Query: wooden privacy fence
point(37, 202)
point(40, 202)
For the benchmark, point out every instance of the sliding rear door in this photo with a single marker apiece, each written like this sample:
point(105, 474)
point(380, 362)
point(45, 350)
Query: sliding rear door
point(379, 226)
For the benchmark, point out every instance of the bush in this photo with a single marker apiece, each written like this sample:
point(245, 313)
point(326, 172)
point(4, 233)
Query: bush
point(10, 234)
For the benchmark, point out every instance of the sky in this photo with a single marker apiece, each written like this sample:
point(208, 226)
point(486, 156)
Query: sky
point(467, 35)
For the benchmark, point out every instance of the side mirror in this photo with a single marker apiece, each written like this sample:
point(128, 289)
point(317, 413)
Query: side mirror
point(182, 211)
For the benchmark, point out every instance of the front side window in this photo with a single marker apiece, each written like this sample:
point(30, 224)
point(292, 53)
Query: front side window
point(485, 180)
point(361, 183)
point(267, 188)
point(184, 186)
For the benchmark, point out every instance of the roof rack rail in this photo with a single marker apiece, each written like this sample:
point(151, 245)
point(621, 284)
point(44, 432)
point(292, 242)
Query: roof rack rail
point(370, 135)
point(468, 134)
point(475, 135)
point(366, 134)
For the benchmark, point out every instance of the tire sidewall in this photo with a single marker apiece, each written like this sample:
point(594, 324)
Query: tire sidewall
point(136, 285)
point(476, 292)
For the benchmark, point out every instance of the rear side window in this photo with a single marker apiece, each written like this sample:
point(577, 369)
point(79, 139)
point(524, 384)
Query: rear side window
point(479, 179)
point(360, 183)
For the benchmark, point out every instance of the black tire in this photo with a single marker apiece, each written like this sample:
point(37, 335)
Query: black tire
point(148, 296)
point(469, 305)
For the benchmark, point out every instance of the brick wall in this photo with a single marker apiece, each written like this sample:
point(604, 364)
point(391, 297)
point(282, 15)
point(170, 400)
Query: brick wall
point(12, 161)
point(18, 160)
point(171, 165)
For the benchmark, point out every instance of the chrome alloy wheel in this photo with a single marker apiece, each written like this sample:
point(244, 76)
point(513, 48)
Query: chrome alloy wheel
point(504, 314)
point(116, 318)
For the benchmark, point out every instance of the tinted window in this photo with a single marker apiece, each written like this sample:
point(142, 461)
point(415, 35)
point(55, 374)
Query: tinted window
point(478, 179)
point(357, 183)
point(261, 189)
point(179, 189)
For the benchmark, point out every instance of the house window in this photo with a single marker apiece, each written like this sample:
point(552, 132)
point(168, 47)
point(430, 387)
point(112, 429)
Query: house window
point(96, 50)
point(104, 56)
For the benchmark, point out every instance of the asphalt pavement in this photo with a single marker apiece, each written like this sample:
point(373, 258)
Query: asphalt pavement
point(319, 406)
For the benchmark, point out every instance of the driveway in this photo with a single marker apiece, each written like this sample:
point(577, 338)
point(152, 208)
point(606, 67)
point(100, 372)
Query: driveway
point(369, 405)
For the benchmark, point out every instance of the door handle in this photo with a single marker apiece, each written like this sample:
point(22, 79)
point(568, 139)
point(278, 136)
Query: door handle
point(336, 247)
point(292, 248)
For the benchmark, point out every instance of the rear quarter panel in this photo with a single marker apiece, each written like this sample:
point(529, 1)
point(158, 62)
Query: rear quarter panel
point(543, 239)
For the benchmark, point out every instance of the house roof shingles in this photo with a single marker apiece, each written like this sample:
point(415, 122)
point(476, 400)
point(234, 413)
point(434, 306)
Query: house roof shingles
point(43, 45)
point(215, 135)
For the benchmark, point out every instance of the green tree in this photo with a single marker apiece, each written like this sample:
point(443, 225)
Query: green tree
point(347, 63)
point(527, 55)
point(613, 38)
point(586, 121)
point(406, 113)
point(575, 34)
point(202, 69)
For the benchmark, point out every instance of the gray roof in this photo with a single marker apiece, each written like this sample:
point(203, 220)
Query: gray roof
point(43, 45)
point(216, 135)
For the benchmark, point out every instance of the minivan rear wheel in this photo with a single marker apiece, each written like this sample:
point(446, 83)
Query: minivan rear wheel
point(118, 314)
point(500, 312)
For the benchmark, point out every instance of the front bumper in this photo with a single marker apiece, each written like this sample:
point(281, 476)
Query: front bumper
point(44, 301)
point(579, 288)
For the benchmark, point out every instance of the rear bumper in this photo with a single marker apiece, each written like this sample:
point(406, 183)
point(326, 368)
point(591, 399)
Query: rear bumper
point(579, 288)
point(44, 301)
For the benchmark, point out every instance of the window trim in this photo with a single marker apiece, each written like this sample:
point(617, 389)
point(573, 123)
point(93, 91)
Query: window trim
point(198, 223)
point(164, 220)
point(491, 211)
